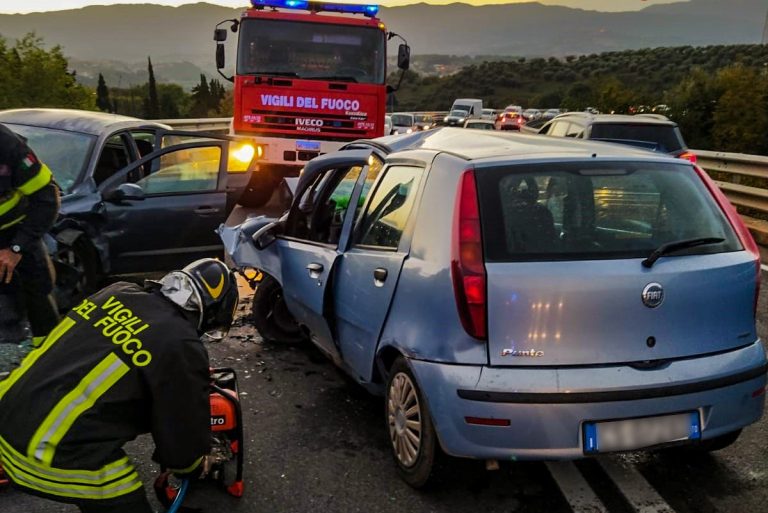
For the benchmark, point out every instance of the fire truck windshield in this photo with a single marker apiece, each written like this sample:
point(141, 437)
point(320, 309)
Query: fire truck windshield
point(312, 51)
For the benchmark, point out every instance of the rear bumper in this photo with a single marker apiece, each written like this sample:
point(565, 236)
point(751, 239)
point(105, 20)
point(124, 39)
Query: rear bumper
point(547, 407)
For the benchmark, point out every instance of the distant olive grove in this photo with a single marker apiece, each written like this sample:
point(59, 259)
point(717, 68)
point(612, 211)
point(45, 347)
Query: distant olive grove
point(718, 94)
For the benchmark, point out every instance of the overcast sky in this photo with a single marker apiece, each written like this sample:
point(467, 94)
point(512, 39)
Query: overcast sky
point(16, 6)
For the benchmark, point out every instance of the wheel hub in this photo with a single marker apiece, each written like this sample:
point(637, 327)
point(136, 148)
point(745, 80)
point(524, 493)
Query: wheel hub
point(404, 417)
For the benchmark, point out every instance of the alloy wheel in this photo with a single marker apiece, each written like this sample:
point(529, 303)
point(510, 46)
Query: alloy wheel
point(404, 418)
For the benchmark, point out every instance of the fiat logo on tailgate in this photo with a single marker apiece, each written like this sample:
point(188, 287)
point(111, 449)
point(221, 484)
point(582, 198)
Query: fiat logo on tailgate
point(653, 295)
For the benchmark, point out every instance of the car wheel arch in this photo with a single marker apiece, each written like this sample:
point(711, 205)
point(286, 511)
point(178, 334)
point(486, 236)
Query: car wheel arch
point(385, 359)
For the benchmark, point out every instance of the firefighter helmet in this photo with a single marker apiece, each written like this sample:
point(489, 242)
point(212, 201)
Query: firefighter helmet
point(208, 287)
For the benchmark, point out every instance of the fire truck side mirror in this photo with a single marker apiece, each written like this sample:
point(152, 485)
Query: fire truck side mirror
point(404, 57)
point(220, 60)
point(220, 35)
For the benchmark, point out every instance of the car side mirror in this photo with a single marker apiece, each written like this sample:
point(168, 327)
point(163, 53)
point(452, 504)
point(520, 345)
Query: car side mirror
point(266, 235)
point(220, 59)
point(404, 57)
point(126, 191)
point(220, 35)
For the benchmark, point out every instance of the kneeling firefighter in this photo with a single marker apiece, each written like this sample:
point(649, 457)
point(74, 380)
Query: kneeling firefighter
point(128, 360)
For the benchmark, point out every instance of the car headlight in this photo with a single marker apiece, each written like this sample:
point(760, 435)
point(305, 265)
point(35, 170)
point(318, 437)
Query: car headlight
point(241, 155)
point(462, 120)
point(409, 131)
point(445, 119)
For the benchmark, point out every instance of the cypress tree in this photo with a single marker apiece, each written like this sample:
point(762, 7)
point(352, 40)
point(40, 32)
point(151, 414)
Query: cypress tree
point(153, 103)
point(102, 95)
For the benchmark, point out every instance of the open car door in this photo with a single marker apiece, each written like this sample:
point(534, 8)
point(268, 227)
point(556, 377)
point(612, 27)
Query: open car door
point(241, 160)
point(318, 225)
point(161, 212)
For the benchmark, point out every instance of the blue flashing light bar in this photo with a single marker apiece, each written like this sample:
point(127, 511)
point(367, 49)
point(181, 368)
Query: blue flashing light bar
point(308, 5)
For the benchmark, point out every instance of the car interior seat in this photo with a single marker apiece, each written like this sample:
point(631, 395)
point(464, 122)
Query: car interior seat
point(145, 148)
point(530, 226)
point(579, 216)
point(112, 160)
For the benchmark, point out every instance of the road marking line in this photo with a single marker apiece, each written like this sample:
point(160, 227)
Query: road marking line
point(633, 486)
point(575, 488)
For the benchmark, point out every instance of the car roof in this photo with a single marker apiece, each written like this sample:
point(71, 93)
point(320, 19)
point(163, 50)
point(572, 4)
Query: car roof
point(87, 122)
point(640, 119)
point(489, 144)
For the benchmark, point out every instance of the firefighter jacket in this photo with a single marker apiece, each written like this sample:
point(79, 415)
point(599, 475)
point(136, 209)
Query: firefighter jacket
point(29, 197)
point(126, 361)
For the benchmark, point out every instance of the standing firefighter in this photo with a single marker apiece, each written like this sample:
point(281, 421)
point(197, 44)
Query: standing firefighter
point(29, 203)
point(128, 360)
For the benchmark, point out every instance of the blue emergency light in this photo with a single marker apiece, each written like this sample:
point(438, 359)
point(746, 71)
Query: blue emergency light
point(307, 5)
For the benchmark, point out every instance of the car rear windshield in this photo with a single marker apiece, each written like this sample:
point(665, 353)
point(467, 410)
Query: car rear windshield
point(592, 211)
point(65, 153)
point(663, 138)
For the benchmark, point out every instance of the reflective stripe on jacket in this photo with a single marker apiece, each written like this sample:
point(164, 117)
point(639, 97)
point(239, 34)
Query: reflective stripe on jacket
point(124, 362)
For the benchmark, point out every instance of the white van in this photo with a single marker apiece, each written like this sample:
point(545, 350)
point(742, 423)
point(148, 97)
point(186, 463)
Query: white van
point(462, 110)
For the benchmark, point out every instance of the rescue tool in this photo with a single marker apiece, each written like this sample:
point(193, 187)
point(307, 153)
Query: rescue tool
point(227, 451)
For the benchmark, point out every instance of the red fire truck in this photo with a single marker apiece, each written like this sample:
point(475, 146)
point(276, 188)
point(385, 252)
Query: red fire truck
point(309, 76)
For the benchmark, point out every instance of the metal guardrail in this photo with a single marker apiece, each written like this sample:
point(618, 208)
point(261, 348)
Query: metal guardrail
point(742, 172)
point(217, 125)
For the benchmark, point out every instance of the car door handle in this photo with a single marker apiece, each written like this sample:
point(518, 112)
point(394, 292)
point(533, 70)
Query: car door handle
point(315, 270)
point(206, 210)
point(379, 276)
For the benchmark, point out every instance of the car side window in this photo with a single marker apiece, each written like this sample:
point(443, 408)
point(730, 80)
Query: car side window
point(559, 129)
point(575, 130)
point(114, 157)
point(389, 208)
point(320, 212)
point(187, 170)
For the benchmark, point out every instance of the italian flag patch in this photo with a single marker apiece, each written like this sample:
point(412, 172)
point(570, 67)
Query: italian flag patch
point(28, 161)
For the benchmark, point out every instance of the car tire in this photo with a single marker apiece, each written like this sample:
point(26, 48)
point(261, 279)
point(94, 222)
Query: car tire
point(259, 190)
point(271, 317)
point(81, 256)
point(409, 426)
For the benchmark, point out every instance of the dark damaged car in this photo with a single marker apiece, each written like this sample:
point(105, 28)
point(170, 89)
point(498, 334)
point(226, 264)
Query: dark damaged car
point(136, 195)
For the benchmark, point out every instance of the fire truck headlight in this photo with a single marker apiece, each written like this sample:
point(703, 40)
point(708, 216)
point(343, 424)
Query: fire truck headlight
point(241, 155)
point(245, 153)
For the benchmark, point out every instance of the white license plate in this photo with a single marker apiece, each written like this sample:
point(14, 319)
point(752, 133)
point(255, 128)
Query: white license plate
point(631, 434)
point(307, 145)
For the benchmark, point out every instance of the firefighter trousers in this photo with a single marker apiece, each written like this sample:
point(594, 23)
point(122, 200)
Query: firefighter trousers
point(32, 290)
point(134, 502)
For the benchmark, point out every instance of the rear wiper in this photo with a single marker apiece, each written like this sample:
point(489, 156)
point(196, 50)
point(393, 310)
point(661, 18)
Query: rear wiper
point(671, 247)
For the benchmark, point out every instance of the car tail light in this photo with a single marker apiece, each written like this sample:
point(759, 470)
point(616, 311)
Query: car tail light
point(691, 157)
point(738, 225)
point(467, 263)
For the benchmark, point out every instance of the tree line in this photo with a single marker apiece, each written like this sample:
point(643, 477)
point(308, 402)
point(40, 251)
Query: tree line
point(33, 76)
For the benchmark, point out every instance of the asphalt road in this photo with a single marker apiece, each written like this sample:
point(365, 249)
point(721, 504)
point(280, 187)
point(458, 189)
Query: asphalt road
point(316, 441)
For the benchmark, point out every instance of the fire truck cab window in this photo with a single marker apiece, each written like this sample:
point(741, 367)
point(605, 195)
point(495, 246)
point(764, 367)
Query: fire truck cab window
point(309, 50)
